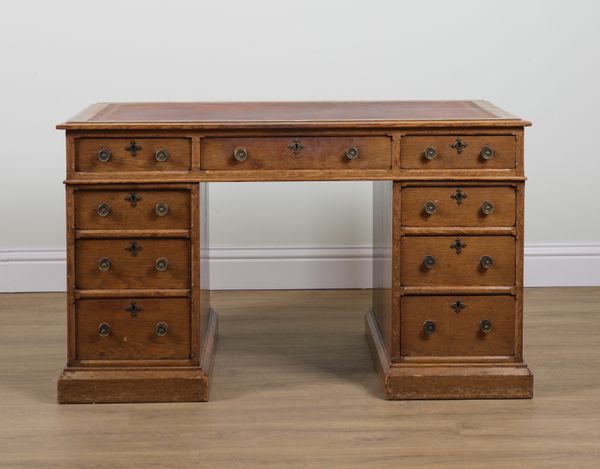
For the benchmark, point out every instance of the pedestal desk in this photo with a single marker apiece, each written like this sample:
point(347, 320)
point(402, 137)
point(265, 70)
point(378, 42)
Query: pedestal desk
point(446, 320)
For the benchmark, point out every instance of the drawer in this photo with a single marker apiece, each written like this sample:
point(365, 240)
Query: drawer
point(457, 152)
point(455, 206)
point(109, 155)
point(246, 153)
point(129, 263)
point(453, 261)
point(438, 326)
point(133, 329)
point(132, 210)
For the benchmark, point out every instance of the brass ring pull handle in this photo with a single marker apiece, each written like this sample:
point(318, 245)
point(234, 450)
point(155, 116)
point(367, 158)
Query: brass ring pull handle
point(487, 208)
point(352, 153)
point(161, 329)
point(161, 264)
point(430, 153)
point(133, 148)
point(104, 154)
point(486, 152)
point(104, 264)
point(133, 309)
point(430, 207)
point(240, 153)
point(428, 262)
point(485, 326)
point(103, 210)
point(104, 329)
point(161, 209)
point(161, 155)
point(429, 327)
point(486, 262)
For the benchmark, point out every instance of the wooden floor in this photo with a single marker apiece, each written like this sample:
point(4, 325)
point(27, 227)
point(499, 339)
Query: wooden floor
point(294, 387)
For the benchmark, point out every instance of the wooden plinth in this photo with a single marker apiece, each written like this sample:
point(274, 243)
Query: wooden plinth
point(433, 381)
point(156, 384)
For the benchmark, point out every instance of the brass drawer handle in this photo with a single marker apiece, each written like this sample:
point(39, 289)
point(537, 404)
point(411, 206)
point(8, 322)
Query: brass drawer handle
point(428, 262)
point(161, 264)
point(487, 208)
point(430, 207)
point(161, 155)
point(133, 309)
point(352, 153)
point(161, 209)
point(104, 155)
point(458, 306)
point(103, 210)
point(133, 198)
point(133, 148)
point(459, 145)
point(104, 329)
point(485, 326)
point(486, 262)
point(430, 153)
point(161, 329)
point(104, 264)
point(240, 153)
point(429, 327)
point(486, 152)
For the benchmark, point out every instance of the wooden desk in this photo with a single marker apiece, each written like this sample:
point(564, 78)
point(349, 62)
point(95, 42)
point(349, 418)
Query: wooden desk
point(447, 312)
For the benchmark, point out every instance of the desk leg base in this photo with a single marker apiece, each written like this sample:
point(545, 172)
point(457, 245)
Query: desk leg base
point(439, 381)
point(151, 384)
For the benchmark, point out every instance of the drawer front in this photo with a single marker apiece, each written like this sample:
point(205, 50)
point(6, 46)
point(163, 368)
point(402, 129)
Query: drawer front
point(296, 153)
point(458, 152)
point(109, 155)
point(439, 326)
point(455, 206)
point(132, 210)
point(458, 260)
point(129, 263)
point(133, 329)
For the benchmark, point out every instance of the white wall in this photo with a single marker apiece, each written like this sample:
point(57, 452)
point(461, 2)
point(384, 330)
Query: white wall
point(537, 59)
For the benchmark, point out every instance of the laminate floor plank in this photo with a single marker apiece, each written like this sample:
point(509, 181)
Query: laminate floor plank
point(294, 386)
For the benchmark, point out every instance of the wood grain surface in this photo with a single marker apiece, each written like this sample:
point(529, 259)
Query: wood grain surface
point(315, 153)
point(132, 336)
point(468, 212)
point(458, 268)
point(129, 271)
point(125, 215)
point(413, 147)
point(294, 387)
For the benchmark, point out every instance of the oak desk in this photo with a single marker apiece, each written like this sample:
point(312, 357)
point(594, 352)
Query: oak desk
point(447, 312)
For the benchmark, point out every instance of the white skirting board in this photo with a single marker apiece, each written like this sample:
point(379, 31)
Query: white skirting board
point(303, 267)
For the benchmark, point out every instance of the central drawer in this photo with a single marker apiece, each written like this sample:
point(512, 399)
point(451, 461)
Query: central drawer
point(296, 153)
point(442, 326)
point(458, 260)
point(133, 329)
point(131, 263)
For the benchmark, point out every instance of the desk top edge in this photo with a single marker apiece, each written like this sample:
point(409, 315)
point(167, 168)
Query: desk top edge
point(278, 114)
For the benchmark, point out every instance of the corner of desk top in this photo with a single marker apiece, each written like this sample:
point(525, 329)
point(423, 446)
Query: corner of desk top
point(83, 116)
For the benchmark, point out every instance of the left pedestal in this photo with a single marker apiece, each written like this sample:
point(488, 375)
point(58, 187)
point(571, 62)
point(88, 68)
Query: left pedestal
point(140, 326)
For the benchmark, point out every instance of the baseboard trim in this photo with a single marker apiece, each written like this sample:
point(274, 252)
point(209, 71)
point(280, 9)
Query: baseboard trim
point(303, 267)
